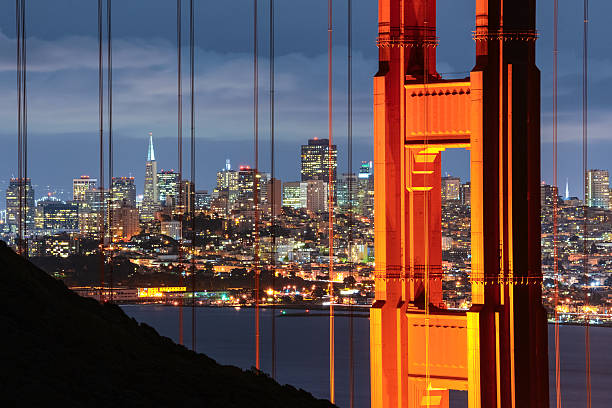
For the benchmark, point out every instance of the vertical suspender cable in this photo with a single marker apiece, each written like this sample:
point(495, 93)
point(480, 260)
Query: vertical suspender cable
point(585, 105)
point(179, 129)
point(101, 148)
point(350, 197)
point(20, 177)
point(330, 198)
point(109, 84)
point(256, 181)
point(24, 100)
point(272, 190)
point(191, 190)
point(555, 201)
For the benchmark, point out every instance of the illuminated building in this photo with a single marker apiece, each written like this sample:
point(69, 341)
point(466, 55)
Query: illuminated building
point(53, 216)
point(93, 207)
point(187, 196)
point(315, 160)
point(80, 185)
point(465, 193)
point(245, 184)
point(227, 182)
point(597, 187)
point(316, 196)
point(451, 187)
point(202, 200)
point(273, 193)
point(345, 182)
point(548, 194)
point(150, 200)
point(12, 204)
point(294, 194)
point(123, 192)
point(365, 191)
point(172, 229)
point(125, 222)
point(167, 185)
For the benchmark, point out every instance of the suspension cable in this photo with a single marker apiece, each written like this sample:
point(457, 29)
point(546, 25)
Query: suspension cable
point(101, 147)
point(191, 191)
point(330, 198)
point(256, 181)
point(272, 190)
point(179, 108)
point(585, 105)
point(21, 181)
point(350, 198)
point(109, 85)
point(555, 201)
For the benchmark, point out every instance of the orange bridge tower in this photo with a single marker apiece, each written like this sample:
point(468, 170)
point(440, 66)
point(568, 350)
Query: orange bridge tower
point(496, 350)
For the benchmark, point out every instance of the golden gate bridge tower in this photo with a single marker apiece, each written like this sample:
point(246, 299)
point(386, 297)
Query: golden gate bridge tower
point(496, 350)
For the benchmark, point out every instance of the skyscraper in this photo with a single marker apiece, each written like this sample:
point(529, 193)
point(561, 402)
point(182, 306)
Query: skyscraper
point(450, 188)
point(80, 185)
point(123, 192)
point(315, 160)
point(150, 201)
point(168, 187)
point(12, 204)
point(597, 188)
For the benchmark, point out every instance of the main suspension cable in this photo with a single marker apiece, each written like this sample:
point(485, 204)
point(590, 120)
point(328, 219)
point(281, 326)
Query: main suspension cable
point(110, 196)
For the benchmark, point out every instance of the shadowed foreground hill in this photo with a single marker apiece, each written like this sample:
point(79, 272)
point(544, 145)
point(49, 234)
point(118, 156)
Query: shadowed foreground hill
point(58, 348)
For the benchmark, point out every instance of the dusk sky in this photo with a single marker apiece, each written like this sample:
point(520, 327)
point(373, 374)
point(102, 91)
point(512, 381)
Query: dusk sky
point(63, 87)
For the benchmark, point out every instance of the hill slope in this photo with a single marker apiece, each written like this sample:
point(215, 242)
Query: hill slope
point(63, 349)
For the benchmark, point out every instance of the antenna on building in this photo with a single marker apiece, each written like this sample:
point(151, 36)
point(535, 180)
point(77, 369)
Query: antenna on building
point(567, 188)
point(228, 166)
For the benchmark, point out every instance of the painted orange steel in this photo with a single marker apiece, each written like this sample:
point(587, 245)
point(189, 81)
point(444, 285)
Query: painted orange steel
point(496, 350)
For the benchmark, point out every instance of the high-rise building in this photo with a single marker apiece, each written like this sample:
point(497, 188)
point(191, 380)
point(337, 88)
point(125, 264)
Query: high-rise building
point(316, 196)
point(55, 216)
point(227, 182)
point(450, 188)
point(202, 200)
point(365, 192)
point(366, 170)
point(548, 194)
point(123, 192)
point(125, 222)
point(93, 212)
point(187, 191)
point(172, 229)
point(294, 194)
point(465, 193)
point(150, 201)
point(273, 197)
point(316, 160)
point(597, 188)
point(12, 204)
point(348, 186)
point(80, 185)
point(168, 187)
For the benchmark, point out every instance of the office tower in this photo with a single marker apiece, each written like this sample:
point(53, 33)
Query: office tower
point(450, 188)
point(597, 188)
point(548, 194)
point(54, 216)
point(227, 183)
point(315, 160)
point(366, 170)
point(168, 187)
point(80, 185)
point(273, 197)
point(187, 192)
point(172, 229)
point(365, 191)
point(123, 192)
point(316, 196)
point(150, 201)
point(125, 222)
point(202, 200)
point(465, 193)
point(12, 204)
point(93, 212)
point(347, 182)
point(245, 183)
point(294, 194)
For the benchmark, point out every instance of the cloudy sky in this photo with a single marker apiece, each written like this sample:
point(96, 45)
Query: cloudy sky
point(63, 92)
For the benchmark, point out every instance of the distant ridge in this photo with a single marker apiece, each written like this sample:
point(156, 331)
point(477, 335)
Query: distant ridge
point(60, 349)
